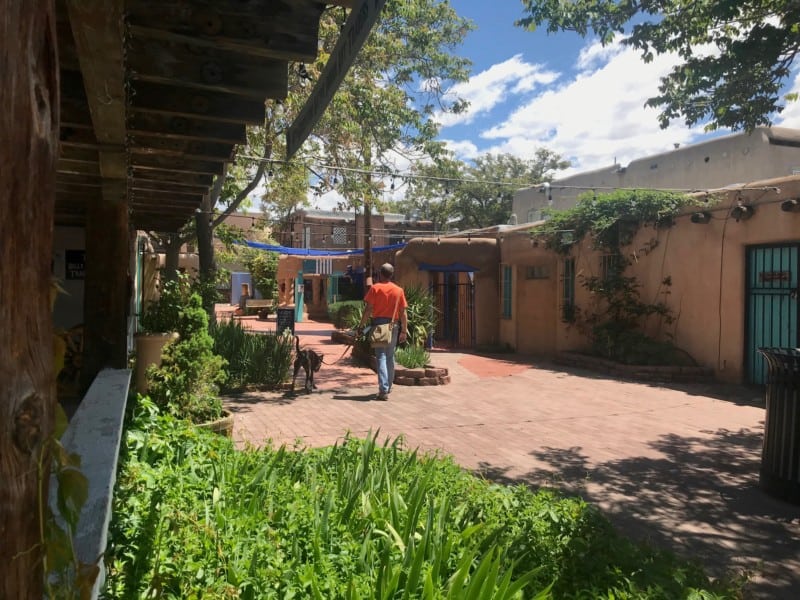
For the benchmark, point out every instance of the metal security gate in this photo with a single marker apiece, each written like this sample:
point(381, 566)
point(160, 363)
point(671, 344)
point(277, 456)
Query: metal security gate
point(454, 293)
point(772, 288)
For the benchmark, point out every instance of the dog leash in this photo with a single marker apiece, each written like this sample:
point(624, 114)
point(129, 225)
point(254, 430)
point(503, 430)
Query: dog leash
point(348, 347)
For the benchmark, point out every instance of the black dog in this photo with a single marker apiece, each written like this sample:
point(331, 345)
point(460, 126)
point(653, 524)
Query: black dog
point(310, 361)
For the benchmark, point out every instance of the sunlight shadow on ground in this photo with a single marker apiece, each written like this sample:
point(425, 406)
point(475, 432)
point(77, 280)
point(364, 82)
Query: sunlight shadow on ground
point(645, 497)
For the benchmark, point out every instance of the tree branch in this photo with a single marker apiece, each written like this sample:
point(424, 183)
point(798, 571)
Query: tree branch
point(217, 189)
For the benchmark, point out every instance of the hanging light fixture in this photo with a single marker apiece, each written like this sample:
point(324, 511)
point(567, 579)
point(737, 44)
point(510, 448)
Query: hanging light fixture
point(742, 212)
point(790, 205)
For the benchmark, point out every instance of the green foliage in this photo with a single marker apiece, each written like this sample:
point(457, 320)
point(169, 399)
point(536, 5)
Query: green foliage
point(163, 314)
point(412, 357)
point(610, 219)
point(618, 317)
point(379, 107)
point(346, 314)
point(194, 517)
point(186, 383)
point(478, 194)
point(421, 314)
point(736, 83)
point(263, 267)
point(261, 360)
point(615, 325)
point(66, 576)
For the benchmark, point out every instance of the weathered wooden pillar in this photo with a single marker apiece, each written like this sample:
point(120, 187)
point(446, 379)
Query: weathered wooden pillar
point(29, 122)
point(106, 294)
point(98, 42)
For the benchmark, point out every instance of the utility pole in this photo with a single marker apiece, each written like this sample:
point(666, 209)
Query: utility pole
point(368, 222)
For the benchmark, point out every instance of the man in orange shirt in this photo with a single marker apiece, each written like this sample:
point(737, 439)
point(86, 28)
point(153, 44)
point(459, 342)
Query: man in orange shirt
point(386, 303)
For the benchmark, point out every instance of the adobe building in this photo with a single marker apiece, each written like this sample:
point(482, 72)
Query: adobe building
point(733, 266)
point(766, 153)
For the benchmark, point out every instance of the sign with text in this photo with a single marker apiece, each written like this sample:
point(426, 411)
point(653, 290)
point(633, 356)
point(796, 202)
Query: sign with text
point(354, 34)
point(74, 264)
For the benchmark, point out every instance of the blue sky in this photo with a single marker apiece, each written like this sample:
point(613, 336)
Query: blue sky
point(561, 92)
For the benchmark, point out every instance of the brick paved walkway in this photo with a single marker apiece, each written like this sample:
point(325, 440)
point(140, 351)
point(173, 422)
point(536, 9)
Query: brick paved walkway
point(676, 466)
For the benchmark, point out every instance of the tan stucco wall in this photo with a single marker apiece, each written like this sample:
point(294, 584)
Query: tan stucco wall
point(735, 158)
point(481, 253)
point(706, 265)
point(532, 328)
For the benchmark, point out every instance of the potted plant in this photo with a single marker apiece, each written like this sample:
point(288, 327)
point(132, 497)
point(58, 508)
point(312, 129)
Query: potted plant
point(157, 327)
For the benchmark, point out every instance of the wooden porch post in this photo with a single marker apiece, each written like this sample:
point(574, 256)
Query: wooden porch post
point(29, 124)
point(106, 294)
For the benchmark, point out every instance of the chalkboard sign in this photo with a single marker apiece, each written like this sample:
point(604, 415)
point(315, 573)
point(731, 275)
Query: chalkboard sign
point(74, 264)
point(284, 320)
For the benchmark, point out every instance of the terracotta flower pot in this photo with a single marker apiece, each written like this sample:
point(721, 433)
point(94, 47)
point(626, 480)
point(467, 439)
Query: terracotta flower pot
point(148, 352)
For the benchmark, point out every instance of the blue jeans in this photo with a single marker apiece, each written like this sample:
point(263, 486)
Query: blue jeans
point(385, 359)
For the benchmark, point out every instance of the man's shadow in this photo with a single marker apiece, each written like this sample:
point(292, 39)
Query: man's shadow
point(354, 397)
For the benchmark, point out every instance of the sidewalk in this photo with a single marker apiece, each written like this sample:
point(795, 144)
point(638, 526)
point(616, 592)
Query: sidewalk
point(676, 466)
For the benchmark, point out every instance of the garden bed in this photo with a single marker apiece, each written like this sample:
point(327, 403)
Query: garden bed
point(428, 375)
point(194, 516)
point(637, 372)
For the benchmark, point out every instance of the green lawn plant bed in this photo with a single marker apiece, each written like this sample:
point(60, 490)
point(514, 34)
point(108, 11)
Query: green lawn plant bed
point(196, 518)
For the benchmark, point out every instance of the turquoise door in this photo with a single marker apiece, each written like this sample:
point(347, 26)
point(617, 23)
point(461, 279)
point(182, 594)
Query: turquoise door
point(772, 288)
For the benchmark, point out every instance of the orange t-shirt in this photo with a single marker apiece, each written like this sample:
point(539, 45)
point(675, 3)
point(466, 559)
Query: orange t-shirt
point(387, 300)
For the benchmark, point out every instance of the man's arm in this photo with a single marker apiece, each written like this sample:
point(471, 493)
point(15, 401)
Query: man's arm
point(403, 325)
point(365, 317)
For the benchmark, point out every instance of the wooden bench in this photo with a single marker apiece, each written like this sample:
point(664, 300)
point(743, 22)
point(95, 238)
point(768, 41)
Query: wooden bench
point(264, 306)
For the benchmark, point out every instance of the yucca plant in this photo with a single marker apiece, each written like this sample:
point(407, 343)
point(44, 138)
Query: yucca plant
point(261, 359)
point(412, 357)
point(421, 314)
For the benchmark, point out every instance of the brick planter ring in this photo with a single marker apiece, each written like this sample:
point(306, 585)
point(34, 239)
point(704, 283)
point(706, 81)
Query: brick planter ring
point(428, 375)
point(423, 376)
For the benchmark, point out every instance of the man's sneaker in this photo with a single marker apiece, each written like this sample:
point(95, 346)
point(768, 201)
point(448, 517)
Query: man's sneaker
point(382, 396)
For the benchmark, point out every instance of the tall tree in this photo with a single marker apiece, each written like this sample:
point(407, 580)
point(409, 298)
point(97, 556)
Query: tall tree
point(386, 107)
point(478, 194)
point(736, 56)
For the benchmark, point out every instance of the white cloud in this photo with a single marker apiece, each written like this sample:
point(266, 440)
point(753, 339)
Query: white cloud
point(597, 116)
point(491, 87)
point(464, 149)
point(790, 117)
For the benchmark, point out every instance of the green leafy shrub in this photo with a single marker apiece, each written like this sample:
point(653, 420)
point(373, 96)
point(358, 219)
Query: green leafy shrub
point(263, 267)
point(163, 314)
point(186, 383)
point(260, 359)
point(342, 313)
point(412, 357)
point(193, 517)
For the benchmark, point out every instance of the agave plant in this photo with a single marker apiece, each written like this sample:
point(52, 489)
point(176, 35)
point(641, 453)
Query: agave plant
point(421, 314)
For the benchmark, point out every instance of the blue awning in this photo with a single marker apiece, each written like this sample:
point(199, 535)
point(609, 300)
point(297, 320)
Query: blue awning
point(316, 252)
point(451, 268)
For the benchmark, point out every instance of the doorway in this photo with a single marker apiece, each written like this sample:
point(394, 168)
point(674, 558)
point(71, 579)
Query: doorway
point(454, 294)
point(771, 304)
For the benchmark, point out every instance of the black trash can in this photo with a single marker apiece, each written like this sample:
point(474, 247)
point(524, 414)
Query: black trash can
point(780, 455)
point(284, 319)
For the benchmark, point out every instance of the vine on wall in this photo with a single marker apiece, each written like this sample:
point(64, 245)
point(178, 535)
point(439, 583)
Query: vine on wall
point(617, 320)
